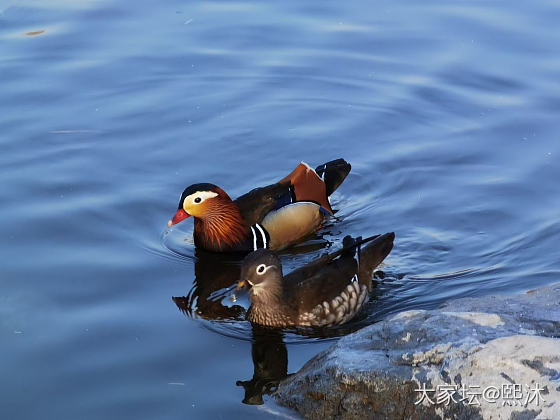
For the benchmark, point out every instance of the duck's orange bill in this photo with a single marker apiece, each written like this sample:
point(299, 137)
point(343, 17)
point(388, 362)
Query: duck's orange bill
point(179, 217)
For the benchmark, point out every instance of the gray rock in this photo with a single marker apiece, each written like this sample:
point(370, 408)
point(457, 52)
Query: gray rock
point(489, 358)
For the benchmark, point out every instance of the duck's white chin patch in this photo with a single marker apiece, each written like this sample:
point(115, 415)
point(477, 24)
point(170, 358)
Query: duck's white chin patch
point(255, 289)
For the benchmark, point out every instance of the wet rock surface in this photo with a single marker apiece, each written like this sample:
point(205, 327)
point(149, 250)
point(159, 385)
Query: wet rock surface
point(493, 357)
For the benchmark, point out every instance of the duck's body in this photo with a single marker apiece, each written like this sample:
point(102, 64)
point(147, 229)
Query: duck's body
point(272, 217)
point(328, 291)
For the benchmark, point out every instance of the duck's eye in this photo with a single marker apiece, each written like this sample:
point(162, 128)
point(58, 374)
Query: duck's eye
point(197, 200)
point(261, 269)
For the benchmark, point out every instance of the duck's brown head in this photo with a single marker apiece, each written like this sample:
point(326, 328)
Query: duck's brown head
point(199, 200)
point(262, 272)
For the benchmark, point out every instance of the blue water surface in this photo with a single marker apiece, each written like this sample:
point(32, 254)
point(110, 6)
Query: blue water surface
point(447, 110)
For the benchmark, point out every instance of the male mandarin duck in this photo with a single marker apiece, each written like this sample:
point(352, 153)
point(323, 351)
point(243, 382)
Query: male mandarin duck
point(328, 291)
point(273, 217)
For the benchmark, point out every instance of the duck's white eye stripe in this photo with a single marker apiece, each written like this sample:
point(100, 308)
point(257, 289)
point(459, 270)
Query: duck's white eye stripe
point(203, 195)
point(261, 269)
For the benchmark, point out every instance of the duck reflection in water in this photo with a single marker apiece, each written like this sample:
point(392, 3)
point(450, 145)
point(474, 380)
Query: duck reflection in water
point(270, 364)
point(214, 276)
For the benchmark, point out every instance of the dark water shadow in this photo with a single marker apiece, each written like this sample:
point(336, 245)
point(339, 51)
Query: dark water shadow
point(215, 279)
point(270, 364)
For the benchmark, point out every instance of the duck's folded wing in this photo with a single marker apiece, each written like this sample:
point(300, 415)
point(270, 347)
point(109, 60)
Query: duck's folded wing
point(257, 203)
point(324, 286)
point(303, 184)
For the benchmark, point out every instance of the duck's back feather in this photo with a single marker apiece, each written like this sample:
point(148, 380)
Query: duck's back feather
point(302, 184)
point(308, 186)
point(257, 203)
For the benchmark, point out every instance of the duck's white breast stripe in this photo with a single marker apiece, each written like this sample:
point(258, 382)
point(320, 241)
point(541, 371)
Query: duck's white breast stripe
point(254, 238)
point(263, 235)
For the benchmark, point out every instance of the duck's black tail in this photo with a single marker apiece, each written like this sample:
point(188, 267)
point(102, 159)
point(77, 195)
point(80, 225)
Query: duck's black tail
point(377, 248)
point(372, 254)
point(333, 173)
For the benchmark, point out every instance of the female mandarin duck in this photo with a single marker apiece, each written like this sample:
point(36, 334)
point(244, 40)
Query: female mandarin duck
point(328, 291)
point(273, 217)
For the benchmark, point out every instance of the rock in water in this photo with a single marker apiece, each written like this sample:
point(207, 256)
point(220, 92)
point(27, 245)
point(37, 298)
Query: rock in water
point(491, 357)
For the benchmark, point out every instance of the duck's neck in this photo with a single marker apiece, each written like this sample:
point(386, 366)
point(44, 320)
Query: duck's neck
point(268, 306)
point(222, 228)
point(270, 313)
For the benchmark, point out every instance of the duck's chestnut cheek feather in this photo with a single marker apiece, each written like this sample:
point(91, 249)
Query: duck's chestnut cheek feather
point(179, 217)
